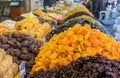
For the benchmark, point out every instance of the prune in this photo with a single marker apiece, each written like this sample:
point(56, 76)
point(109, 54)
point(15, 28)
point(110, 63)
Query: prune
point(25, 57)
point(11, 53)
point(83, 67)
point(25, 43)
point(16, 52)
point(29, 64)
point(11, 43)
point(5, 46)
point(4, 40)
point(18, 44)
point(15, 35)
point(19, 39)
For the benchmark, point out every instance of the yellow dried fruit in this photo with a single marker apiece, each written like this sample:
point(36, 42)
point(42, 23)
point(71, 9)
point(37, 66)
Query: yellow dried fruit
point(31, 25)
point(79, 41)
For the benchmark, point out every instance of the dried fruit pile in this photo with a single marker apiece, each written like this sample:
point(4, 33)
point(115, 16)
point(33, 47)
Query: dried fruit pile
point(42, 20)
point(71, 23)
point(74, 43)
point(33, 27)
point(43, 17)
point(8, 69)
point(77, 11)
point(42, 14)
point(85, 67)
point(93, 20)
point(22, 47)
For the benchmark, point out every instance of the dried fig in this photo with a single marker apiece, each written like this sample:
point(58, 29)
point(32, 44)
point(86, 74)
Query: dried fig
point(17, 52)
point(5, 46)
point(11, 43)
point(25, 57)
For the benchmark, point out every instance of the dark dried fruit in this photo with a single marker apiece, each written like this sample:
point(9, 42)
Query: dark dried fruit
point(5, 46)
point(25, 43)
point(21, 46)
point(11, 43)
point(4, 40)
point(25, 57)
point(16, 52)
point(84, 67)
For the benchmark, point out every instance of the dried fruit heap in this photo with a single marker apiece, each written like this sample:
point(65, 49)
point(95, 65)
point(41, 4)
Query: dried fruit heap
point(22, 47)
point(8, 69)
point(74, 43)
point(78, 11)
point(90, 19)
point(33, 27)
point(84, 67)
point(42, 14)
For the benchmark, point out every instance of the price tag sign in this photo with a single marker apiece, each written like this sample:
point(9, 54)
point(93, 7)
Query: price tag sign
point(22, 69)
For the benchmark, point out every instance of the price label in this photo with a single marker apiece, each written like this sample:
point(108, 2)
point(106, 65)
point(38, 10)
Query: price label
point(22, 69)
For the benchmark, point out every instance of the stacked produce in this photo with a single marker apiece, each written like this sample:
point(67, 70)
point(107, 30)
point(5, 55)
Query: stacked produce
point(44, 17)
point(71, 23)
point(22, 47)
point(77, 11)
point(85, 67)
point(74, 43)
point(3, 28)
point(8, 69)
point(42, 14)
point(33, 27)
point(90, 19)
point(42, 20)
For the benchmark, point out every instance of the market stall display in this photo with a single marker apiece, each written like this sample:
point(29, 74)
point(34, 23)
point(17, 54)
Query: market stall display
point(91, 66)
point(21, 47)
point(78, 41)
point(66, 42)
